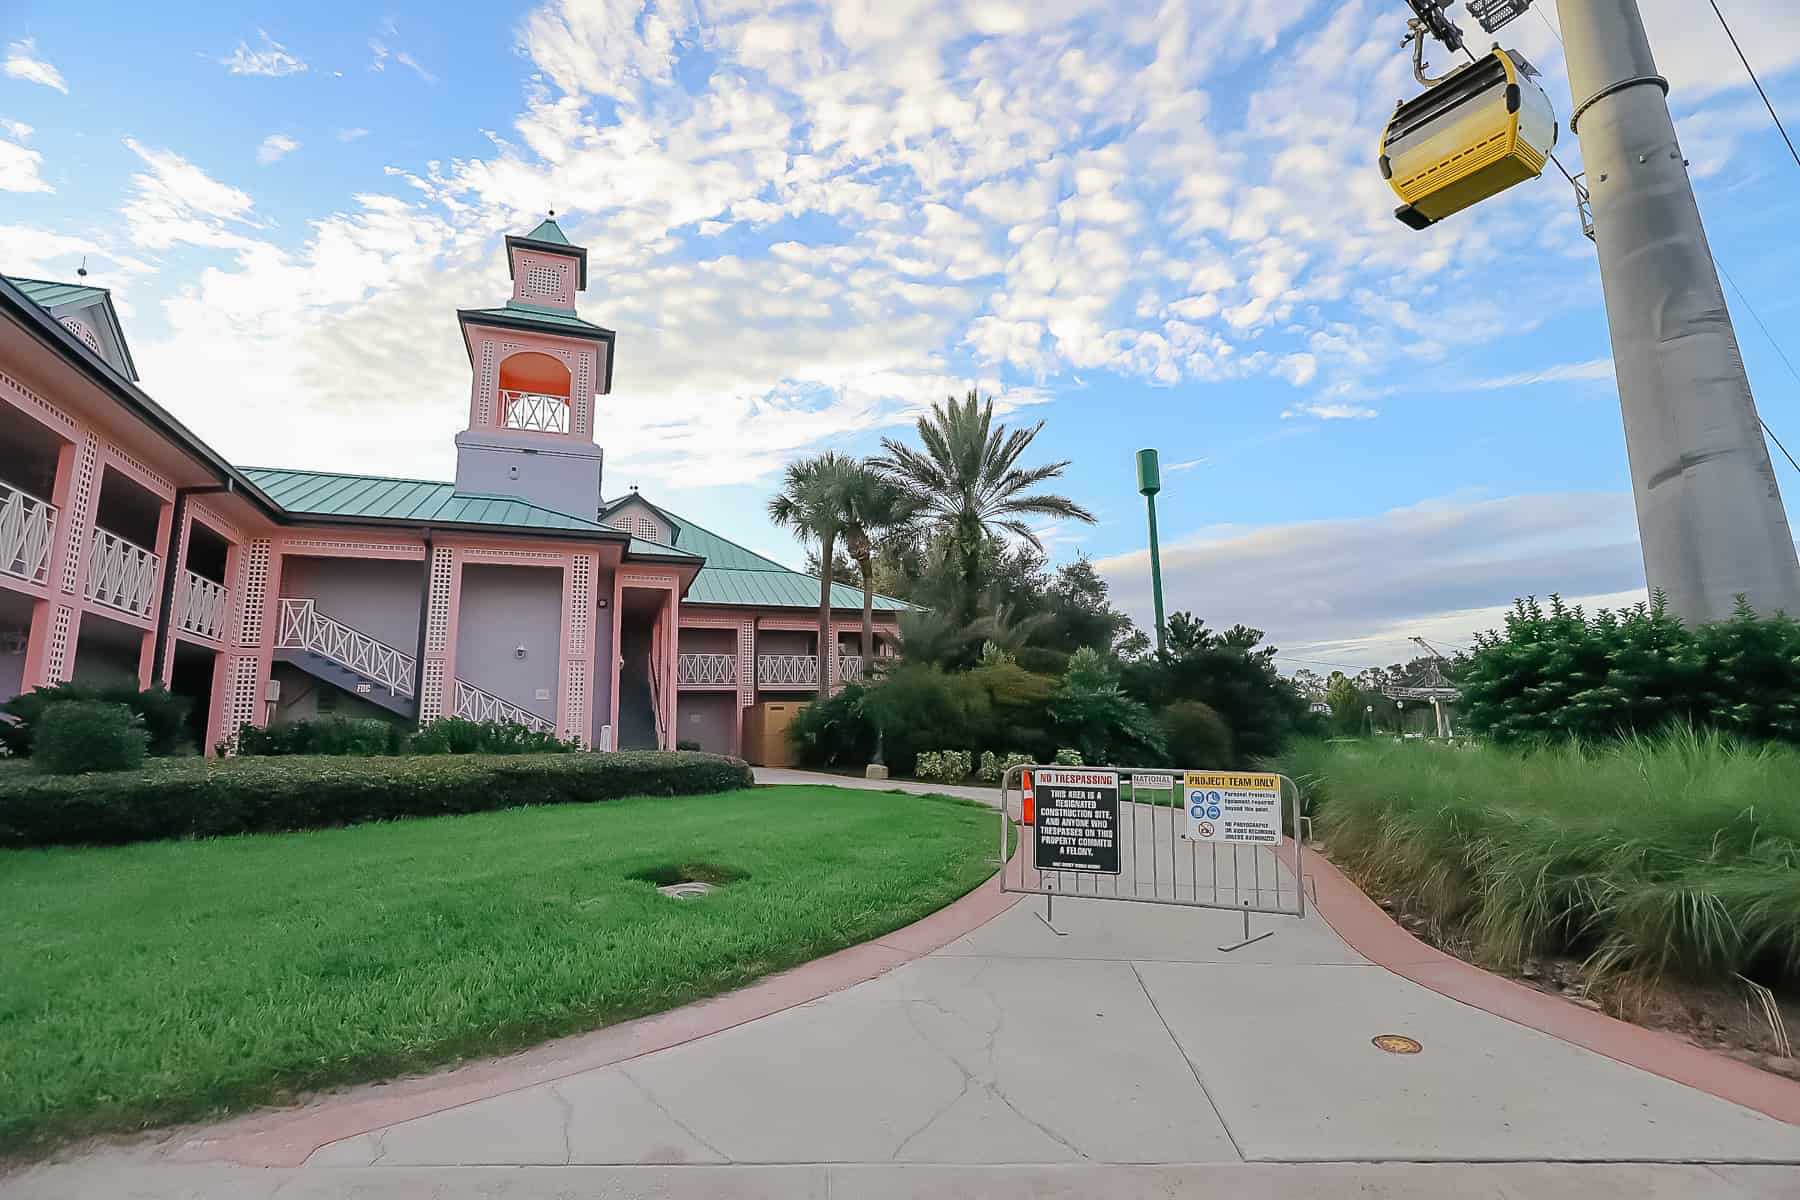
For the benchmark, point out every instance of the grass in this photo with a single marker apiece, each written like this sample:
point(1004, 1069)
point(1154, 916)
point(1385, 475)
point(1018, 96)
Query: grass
point(1676, 854)
point(175, 981)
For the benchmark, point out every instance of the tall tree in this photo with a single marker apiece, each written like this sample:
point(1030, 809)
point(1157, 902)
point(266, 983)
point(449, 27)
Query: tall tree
point(967, 484)
point(812, 504)
point(875, 507)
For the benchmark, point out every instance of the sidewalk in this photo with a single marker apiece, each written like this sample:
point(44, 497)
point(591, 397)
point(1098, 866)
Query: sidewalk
point(1128, 1058)
point(986, 795)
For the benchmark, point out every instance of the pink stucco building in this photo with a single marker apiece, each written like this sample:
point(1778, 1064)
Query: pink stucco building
point(128, 547)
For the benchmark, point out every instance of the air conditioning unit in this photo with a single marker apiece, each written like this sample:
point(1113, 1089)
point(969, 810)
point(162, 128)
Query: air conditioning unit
point(272, 692)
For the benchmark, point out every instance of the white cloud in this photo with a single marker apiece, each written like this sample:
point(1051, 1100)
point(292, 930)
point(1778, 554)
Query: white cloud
point(19, 169)
point(379, 54)
point(1594, 369)
point(44, 255)
point(22, 62)
point(1006, 190)
point(1327, 410)
point(19, 131)
point(271, 58)
point(353, 134)
point(275, 147)
point(1349, 591)
point(176, 203)
point(1188, 465)
point(405, 59)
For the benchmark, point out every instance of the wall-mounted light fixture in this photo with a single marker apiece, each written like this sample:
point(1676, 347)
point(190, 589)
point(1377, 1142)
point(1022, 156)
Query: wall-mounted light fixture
point(519, 652)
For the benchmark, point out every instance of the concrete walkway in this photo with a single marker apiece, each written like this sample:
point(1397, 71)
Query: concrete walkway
point(773, 775)
point(1128, 1057)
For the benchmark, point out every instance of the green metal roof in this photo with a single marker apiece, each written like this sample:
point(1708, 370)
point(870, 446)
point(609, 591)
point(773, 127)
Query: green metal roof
point(329, 494)
point(537, 316)
point(735, 575)
point(549, 231)
point(48, 292)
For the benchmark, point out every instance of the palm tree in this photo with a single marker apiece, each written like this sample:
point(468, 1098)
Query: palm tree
point(966, 483)
point(811, 503)
point(875, 507)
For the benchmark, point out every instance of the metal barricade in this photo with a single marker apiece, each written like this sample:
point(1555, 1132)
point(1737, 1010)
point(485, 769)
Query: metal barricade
point(1144, 860)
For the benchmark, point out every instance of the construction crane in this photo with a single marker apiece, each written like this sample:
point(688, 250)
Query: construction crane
point(1710, 517)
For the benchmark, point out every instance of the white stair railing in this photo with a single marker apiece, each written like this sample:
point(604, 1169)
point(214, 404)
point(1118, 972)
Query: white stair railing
point(304, 627)
point(656, 703)
point(27, 531)
point(122, 574)
point(478, 704)
point(200, 606)
point(693, 670)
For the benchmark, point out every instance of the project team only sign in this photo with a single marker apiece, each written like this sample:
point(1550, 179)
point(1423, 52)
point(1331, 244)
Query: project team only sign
point(1226, 807)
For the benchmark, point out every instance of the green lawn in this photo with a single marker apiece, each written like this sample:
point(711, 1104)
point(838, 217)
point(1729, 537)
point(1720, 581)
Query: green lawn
point(174, 981)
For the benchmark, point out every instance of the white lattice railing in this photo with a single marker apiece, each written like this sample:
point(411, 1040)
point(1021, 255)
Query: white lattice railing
point(699, 670)
point(122, 574)
point(787, 670)
point(304, 627)
point(27, 529)
point(850, 667)
point(200, 606)
point(534, 410)
point(477, 704)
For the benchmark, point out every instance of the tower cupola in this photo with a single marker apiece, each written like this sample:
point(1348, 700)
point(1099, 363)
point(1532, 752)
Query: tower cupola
point(545, 268)
point(538, 369)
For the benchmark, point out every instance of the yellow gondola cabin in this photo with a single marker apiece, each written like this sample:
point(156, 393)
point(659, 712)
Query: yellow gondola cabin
point(1479, 131)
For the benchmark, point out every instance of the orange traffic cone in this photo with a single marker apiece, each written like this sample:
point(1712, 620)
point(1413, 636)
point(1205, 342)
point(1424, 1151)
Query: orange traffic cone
point(1030, 800)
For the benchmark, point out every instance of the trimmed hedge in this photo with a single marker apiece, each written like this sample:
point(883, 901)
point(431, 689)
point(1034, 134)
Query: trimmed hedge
point(184, 798)
point(77, 736)
point(164, 714)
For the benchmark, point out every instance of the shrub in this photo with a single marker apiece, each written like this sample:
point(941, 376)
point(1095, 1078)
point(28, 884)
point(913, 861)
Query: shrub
point(687, 744)
point(361, 736)
point(836, 730)
point(164, 714)
point(74, 736)
point(1675, 854)
point(956, 765)
point(994, 768)
point(1196, 735)
point(1231, 672)
point(1069, 758)
point(928, 764)
point(1555, 672)
point(919, 707)
point(207, 798)
point(459, 735)
point(1091, 711)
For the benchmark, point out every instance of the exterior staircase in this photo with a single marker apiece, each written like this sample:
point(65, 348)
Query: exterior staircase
point(370, 669)
point(344, 679)
point(638, 726)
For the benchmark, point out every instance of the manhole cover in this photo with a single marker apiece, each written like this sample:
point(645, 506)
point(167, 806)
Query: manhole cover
point(1396, 1043)
point(685, 891)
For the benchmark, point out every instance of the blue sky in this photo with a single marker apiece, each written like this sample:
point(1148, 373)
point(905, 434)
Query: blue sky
point(1145, 224)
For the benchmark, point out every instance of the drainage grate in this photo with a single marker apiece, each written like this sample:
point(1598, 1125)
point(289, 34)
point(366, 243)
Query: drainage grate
point(1395, 1043)
point(686, 891)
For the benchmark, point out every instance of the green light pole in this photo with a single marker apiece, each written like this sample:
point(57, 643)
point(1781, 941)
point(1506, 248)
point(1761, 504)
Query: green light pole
point(1149, 476)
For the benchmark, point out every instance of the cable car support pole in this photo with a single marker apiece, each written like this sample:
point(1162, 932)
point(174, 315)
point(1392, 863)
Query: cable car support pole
point(1710, 516)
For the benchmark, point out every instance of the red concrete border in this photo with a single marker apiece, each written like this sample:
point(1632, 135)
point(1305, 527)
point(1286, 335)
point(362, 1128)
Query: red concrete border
point(1373, 934)
point(286, 1137)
